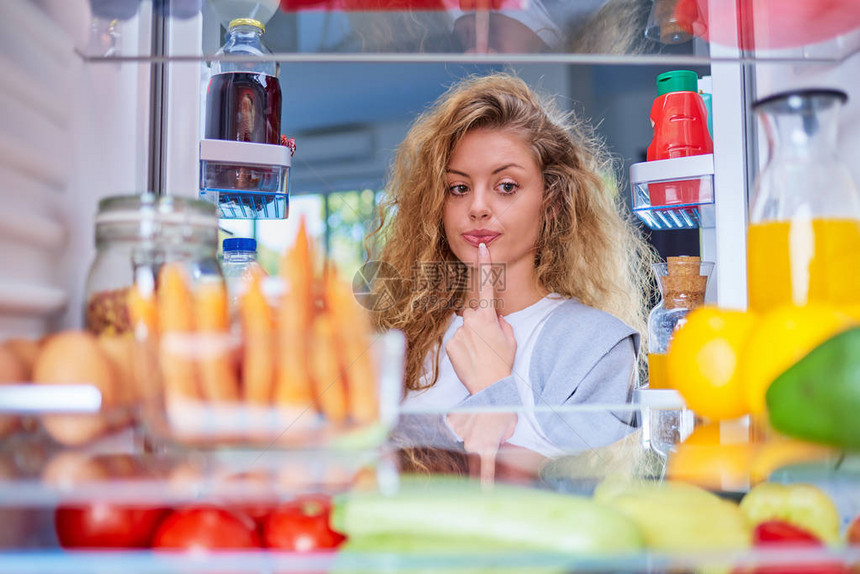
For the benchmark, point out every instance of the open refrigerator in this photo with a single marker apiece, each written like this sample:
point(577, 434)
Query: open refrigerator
point(97, 103)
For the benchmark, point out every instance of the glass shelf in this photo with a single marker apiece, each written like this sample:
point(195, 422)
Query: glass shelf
point(520, 32)
point(135, 562)
point(128, 467)
point(36, 477)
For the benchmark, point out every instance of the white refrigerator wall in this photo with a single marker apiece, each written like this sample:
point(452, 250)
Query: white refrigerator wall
point(71, 132)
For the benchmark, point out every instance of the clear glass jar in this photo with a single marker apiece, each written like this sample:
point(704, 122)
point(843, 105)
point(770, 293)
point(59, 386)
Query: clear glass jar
point(135, 235)
point(803, 241)
point(683, 282)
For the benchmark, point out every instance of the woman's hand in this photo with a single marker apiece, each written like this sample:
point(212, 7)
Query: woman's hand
point(482, 434)
point(482, 351)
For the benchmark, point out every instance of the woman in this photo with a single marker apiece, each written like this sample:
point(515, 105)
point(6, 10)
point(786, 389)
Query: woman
point(525, 281)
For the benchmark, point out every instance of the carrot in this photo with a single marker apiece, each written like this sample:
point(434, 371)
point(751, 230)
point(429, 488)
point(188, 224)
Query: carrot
point(293, 386)
point(143, 310)
point(295, 310)
point(326, 373)
point(258, 365)
point(175, 318)
point(355, 340)
point(217, 375)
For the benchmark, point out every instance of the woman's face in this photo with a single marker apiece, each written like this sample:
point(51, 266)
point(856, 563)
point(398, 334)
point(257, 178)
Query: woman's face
point(495, 191)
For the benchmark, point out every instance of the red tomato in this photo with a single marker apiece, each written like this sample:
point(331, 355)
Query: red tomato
point(256, 512)
point(105, 525)
point(302, 526)
point(205, 528)
point(257, 482)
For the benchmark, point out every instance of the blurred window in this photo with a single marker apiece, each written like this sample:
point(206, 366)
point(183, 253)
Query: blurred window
point(337, 221)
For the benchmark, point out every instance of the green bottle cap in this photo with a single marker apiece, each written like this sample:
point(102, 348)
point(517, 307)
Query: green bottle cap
point(677, 81)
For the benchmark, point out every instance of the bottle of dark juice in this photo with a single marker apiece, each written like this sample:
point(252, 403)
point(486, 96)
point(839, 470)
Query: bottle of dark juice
point(243, 101)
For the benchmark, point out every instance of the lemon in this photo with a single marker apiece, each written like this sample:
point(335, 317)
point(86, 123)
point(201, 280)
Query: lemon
point(782, 337)
point(706, 460)
point(704, 361)
point(777, 452)
point(854, 312)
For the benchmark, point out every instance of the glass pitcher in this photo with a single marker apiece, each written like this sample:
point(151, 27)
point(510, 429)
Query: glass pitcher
point(804, 235)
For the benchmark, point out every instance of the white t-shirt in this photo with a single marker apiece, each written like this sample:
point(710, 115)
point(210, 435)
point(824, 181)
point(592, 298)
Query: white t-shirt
point(448, 391)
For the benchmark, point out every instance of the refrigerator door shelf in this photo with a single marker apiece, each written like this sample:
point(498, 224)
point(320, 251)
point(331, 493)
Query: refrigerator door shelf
point(245, 180)
point(674, 193)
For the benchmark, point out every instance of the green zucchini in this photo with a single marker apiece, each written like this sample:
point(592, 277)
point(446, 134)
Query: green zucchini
point(426, 555)
point(514, 518)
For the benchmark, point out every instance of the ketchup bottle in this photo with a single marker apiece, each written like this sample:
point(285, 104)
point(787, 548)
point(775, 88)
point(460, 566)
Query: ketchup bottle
point(680, 122)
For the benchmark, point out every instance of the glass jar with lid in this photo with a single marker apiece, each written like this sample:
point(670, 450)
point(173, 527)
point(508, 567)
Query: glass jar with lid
point(683, 281)
point(135, 235)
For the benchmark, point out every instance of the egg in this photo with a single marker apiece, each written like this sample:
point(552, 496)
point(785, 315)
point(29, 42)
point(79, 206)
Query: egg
point(75, 357)
point(12, 370)
point(26, 350)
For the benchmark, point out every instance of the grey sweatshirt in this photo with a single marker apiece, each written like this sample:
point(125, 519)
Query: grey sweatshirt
point(581, 356)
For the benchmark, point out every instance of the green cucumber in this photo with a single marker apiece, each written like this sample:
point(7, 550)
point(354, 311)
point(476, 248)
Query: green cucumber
point(397, 553)
point(446, 545)
point(516, 518)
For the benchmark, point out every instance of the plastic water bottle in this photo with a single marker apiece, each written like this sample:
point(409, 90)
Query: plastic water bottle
point(240, 258)
point(243, 101)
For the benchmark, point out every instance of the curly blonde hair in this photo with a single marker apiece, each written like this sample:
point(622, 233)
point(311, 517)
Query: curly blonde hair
point(587, 247)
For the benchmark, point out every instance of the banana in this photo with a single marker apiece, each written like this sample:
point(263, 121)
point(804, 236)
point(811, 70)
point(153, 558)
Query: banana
point(675, 516)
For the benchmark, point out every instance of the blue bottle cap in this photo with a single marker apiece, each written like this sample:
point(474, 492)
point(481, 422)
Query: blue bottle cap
point(240, 244)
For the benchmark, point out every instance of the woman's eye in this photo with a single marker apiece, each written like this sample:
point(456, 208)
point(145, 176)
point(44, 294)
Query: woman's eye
point(458, 189)
point(508, 187)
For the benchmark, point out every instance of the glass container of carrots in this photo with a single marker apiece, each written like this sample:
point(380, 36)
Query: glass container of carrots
point(297, 367)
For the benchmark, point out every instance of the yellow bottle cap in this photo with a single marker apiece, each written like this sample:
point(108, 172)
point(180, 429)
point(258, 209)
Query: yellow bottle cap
point(246, 22)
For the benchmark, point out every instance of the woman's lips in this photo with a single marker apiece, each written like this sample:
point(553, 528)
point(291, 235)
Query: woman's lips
point(475, 239)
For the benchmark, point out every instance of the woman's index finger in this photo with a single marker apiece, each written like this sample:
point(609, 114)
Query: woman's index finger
point(486, 291)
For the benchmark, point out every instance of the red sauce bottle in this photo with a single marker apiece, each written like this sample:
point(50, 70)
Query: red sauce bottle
point(680, 122)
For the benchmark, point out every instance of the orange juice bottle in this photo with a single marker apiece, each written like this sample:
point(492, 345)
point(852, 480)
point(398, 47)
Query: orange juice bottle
point(683, 281)
point(658, 373)
point(803, 243)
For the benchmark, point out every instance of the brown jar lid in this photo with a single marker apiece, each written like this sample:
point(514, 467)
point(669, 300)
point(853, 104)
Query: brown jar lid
point(684, 285)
